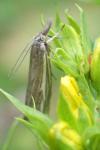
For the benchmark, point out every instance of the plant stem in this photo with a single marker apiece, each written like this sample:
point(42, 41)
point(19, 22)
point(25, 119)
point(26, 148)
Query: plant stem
point(10, 134)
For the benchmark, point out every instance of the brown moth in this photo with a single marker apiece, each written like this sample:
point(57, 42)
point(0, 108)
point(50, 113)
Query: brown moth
point(39, 77)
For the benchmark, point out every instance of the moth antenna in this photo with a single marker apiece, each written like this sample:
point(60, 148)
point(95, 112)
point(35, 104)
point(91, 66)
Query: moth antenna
point(20, 59)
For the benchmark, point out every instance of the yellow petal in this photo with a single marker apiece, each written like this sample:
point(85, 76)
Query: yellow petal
point(70, 136)
point(70, 89)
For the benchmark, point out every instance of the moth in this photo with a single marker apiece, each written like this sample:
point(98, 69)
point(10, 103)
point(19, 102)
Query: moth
point(39, 76)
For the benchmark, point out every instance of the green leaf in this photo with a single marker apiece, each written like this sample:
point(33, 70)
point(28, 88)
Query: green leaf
point(65, 67)
point(71, 41)
point(92, 137)
point(64, 112)
point(42, 20)
point(58, 23)
point(86, 43)
point(73, 23)
point(26, 110)
point(36, 132)
point(64, 62)
point(39, 121)
point(84, 121)
point(86, 93)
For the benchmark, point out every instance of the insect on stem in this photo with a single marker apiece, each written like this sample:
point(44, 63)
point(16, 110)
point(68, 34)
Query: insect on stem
point(39, 77)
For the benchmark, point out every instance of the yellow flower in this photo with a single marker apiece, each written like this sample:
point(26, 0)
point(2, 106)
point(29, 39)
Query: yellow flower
point(68, 136)
point(70, 90)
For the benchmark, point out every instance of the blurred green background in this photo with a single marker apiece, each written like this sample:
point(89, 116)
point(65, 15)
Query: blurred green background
point(19, 22)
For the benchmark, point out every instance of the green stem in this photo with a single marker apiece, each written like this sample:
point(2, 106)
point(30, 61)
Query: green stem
point(9, 137)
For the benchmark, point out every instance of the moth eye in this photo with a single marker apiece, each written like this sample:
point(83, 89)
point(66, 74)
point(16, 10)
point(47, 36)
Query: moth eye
point(42, 38)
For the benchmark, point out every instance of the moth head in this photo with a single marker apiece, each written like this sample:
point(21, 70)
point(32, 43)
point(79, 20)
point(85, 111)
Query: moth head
point(41, 38)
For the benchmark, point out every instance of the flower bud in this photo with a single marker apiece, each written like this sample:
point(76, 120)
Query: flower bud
point(66, 135)
point(95, 66)
point(71, 92)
